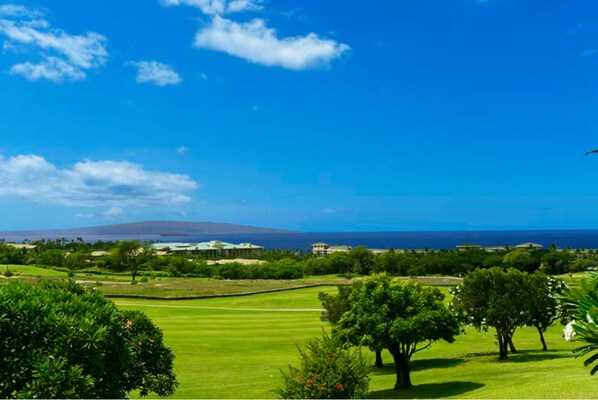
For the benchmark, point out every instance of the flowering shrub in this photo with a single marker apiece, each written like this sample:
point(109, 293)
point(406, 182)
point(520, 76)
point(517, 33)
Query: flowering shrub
point(326, 371)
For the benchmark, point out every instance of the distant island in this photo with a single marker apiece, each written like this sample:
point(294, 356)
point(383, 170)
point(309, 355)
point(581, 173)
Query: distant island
point(151, 228)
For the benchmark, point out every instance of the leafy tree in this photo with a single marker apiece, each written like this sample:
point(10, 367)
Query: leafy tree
point(556, 262)
point(521, 259)
point(363, 260)
point(326, 371)
point(130, 254)
point(493, 298)
point(582, 304)
point(402, 317)
point(51, 258)
point(543, 306)
point(336, 305)
point(75, 261)
point(59, 340)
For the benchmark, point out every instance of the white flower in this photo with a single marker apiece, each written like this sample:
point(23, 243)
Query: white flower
point(568, 332)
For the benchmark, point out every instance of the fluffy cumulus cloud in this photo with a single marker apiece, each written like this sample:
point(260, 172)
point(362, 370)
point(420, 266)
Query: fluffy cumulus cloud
point(60, 55)
point(254, 41)
point(156, 73)
point(257, 43)
point(114, 184)
point(218, 7)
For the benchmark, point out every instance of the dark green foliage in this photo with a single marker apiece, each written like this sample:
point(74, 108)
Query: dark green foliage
point(543, 307)
point(75, 261)
point(402, 317)
point(51, 258)
point(521, 259)
point(59, 340)
point(493, 298)
point(335, 305)
point(326, 371)
point(582, 304)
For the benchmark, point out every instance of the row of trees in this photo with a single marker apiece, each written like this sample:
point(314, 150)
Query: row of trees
point(133, 256)
point(383, 313)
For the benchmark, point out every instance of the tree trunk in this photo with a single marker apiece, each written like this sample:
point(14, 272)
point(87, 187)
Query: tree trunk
point(379, 363)
point(403, 374)
point(502, 346)
point(512, 346)
point(544, 347)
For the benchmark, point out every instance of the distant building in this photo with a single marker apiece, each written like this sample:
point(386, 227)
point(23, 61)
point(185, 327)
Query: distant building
point(324, 249)
point(531, 246)
point(212, 249)
point(22, 246)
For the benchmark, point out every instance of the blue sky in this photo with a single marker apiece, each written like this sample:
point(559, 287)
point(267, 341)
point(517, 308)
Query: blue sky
point(308, 115)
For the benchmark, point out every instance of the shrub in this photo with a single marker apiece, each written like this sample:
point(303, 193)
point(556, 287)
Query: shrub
point(8, 273)
point(61, 341)
point(326, 371)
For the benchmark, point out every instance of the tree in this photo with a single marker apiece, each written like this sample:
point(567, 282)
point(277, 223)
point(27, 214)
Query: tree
point(582, 305)
point(129, 254)
point(543, 307)
point(60, 340)
point(75, 261)
point(363, 260)
point(336, 305)
point(522, 260)
point(404, 318)
point(326, 371)
point(493, 298)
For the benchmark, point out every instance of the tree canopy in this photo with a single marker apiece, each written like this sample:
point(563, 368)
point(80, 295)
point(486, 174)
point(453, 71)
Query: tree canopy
point(495, 298)
point(402, 317)
point(59, 340)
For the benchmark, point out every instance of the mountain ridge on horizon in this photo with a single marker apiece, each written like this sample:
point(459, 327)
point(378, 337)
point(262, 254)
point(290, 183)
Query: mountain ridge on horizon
point(163, 228)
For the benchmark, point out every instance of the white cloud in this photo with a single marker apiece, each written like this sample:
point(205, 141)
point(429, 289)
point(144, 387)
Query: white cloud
point(257, 43)
point(53, 69)
point(91, 183)
point(244, 5)
point(16, 10)
point(203, 76)
point(156, 73)
point(182, 150)
point(328, 211)
point(113, 212)
point(588, 53)
point(218, 7)
point(64, 56)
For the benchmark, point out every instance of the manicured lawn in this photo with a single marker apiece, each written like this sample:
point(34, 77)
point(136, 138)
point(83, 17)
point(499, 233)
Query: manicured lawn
point(32, 270)
point(224, 353)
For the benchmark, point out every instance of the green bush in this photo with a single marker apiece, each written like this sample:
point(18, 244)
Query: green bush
point(8, 273)
point(326, 371)
point(59, 340)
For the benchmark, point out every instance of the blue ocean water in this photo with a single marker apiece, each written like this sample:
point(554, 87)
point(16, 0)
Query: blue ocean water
point(587, 239)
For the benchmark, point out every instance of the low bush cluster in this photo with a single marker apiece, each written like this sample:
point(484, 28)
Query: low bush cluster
point(326, 371)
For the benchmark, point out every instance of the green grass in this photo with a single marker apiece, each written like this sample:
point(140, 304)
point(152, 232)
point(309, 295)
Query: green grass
point(239, 353)
point(31, 270)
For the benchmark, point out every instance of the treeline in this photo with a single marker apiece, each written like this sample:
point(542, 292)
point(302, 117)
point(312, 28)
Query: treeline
point(139, 258)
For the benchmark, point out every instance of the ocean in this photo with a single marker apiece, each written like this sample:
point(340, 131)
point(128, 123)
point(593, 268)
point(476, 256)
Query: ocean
point(587, 239)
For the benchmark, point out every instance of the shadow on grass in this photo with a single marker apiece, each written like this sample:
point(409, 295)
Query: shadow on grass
point(526, 355)
point(530, 356)
point(418, 365)
point(428, 391)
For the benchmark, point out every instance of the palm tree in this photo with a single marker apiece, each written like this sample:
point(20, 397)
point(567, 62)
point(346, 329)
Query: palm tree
point(582, 304)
